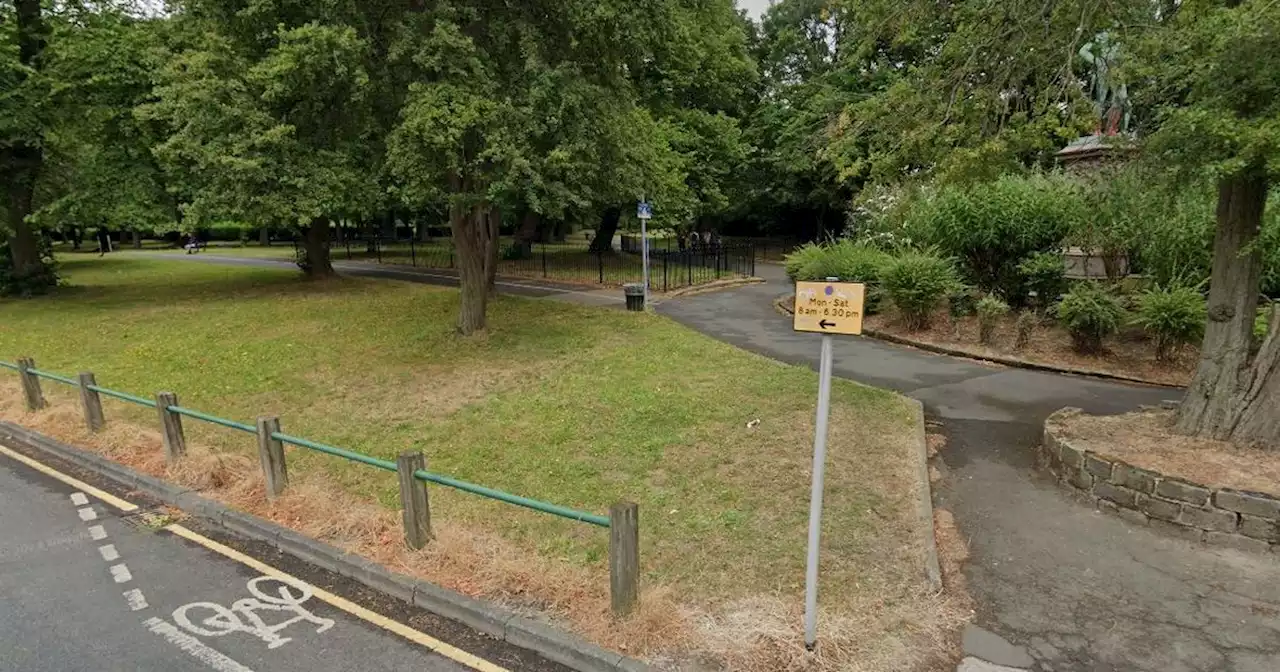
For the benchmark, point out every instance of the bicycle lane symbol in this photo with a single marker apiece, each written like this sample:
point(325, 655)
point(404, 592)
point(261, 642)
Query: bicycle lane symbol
point(270, 596)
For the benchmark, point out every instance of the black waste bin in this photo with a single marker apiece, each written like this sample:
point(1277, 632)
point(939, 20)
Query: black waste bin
point(635, 296)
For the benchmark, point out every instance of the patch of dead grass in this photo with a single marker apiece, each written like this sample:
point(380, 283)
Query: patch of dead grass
point(1146, 439)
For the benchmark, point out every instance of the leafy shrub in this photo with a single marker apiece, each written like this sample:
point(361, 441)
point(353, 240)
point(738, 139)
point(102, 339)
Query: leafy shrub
point(801, 258)
point(990, 310)
point(844, 259)
point(916, 282)
point(993, 227)
point(37, 283)
point(1045, 274)
point(1173, 316)
point(1090, 313)
point(1027, 322)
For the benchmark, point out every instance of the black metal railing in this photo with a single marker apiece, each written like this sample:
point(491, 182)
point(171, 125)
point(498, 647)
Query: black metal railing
point(672, 265)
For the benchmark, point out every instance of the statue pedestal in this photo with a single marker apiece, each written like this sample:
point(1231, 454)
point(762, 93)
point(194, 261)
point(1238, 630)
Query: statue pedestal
point(1089, 153)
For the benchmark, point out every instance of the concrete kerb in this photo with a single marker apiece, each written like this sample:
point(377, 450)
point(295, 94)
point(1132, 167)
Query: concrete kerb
point(708, 288)
point(932, 568)
point(544, 639)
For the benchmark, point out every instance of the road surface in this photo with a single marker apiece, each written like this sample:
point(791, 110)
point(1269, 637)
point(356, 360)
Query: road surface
point(86, 587)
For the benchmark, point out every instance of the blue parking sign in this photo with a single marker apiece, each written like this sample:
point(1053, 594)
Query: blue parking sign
point(644, 210)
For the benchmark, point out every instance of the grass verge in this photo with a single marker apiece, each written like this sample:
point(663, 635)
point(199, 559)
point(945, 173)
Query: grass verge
point(580, 406)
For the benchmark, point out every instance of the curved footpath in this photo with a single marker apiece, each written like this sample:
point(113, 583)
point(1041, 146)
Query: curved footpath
point(1072, 589)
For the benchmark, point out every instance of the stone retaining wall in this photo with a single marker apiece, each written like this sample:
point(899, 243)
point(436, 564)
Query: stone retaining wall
point(1245, 520)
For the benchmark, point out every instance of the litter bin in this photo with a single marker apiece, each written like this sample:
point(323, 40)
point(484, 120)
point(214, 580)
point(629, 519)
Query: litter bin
point(635, 296)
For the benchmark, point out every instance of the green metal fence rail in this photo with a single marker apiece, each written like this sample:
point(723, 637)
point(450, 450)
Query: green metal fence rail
point(53, 376)
point(623, 521)
point(124, 396)
point(387, 465)
point(602, 521)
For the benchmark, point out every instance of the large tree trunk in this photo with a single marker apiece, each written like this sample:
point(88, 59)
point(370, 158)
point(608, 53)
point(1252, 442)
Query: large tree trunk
point(137, 239)
point(264, 236)
point(1234, 396)
point(316, 244)
point(471, 232)
point(24, 157)
point(603, 242)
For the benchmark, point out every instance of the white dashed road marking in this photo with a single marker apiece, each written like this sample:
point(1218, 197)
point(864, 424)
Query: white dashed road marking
point(109, 553)
point(87, 514)
point(194, 647)
point(79, 499)
point(137, 601)
point(97, 533)
point(121, 573)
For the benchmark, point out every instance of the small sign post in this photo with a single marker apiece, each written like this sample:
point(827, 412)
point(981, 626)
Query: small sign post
point(644, 212)
point(827, 308)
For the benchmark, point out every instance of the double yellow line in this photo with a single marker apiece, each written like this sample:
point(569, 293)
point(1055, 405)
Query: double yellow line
point(451, 652)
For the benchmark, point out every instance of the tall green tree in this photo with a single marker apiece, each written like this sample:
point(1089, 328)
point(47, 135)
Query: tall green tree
point(520, 106)
point(1213, 87)
point(24, 102)
point(268, 109)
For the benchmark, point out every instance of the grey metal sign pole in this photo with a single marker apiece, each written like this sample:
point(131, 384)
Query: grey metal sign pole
point(644, 247)
point(815, 495)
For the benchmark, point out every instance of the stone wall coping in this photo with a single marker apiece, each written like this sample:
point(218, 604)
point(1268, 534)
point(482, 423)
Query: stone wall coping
point(1221, 516)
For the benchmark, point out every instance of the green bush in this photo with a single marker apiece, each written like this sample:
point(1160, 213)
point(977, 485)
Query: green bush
point(1090, 313)
point(916, 282)
point(1045, 274)
point(38, 283)
point(991, 228)
point(844, 259)
point(1027, 323)
point(1173, 316)
point(990, 310)
point(800, 258)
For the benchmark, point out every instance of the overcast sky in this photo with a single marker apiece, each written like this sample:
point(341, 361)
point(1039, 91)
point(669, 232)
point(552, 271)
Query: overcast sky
point(754, 7)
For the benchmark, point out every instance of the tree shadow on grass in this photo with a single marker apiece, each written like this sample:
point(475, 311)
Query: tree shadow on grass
point(122, 283)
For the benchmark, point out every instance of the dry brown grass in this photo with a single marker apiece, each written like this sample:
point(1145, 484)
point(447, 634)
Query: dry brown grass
point(1128, 354)
point(1146, 439)
point(881, 629)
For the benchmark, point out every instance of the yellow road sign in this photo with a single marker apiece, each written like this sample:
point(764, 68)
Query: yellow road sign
point(829, 307)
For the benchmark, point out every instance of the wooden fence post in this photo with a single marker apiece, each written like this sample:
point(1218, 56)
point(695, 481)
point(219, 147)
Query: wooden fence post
point(30, 384)
point(413, 497)
point(271, 453)
point(91, 402)
point(175, 444)
point(624, 557)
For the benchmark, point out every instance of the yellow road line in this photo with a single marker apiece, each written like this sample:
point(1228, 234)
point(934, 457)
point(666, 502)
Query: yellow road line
point(73, 482)
point(344, 604)
point(422, 639)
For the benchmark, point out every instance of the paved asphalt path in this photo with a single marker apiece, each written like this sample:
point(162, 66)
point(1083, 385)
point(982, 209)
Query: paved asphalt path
point(63, 607)
point(1081, 590)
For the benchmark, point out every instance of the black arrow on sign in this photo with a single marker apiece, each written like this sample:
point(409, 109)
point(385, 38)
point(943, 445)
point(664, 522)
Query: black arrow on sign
point(824, 324)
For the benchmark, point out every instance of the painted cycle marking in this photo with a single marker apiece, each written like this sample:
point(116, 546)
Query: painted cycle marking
point(270, 594)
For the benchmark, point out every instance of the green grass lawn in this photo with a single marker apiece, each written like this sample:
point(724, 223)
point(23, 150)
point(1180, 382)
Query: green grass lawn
point(579, 406)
